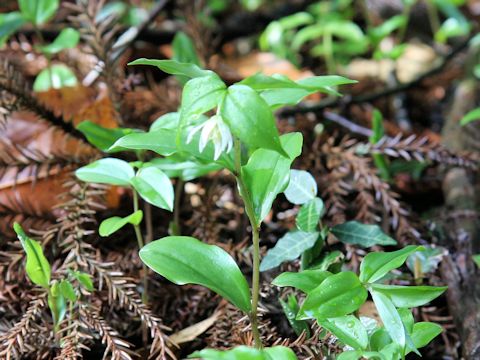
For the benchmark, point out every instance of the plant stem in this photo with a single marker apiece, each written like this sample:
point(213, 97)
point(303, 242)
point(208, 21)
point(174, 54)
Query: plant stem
point(176, 207)
point(138, 234)
point(245, 195)
point(148, 222)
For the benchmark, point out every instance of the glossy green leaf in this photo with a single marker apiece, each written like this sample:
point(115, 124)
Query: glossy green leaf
point(185, 260)
point(37, 265)
point(289, 247)
point(246, 353)
point(306, 280)
point(57, 303)
point(174, 67)
point(390, 317)
point(290, 309)
point(38, 12)
point(337, 295)
point(199, 96)
point(348, 329)
point(186, 170)
point(167, 121)
point(100, 137)
point(67, 290)
point(84, 279)
point(115, 223)
point(476, 259)
point(184, 49)
point(154, 187)
point(424, 332)
point(309, 215)
point(320, 83)
point(54, 77)
point(9, 24)
point(107, 171)
point(470, 117)
point(161, 141)
point(409, 296)
point(354, 232)
point(267, 173)
point(250, 119)
point(360, 355)
point(67, 39)
point(301, 188)
point(377, 264)
point(328, 260)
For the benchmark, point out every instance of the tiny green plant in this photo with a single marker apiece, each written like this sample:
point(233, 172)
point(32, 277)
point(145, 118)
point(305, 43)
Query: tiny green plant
point(37, 13)
point(61, 294)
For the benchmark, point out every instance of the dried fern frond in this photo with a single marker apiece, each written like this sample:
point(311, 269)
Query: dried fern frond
point(16, 341)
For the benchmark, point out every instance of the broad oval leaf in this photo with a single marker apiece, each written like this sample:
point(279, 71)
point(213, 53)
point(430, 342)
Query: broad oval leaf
point(364, 235)
point(107, 171)
point(288, 248)
point(102, 138)
point(302, 187)
point(309, 215)
point(376, 265)
point(54, 77)
point(154, 187)
point(38, 12)
point(424, 332)
point(37, 265)
point(470, 117)
point(250, 119)
point(9, 24)
point(267, 173)
point(57, 303)
point(167, 121)
point(305, 280)
point(390, 317)
point(290, 309)
point(115, 223)
point(246, 353)
point(161, 141)
point(337, 295)
point(67, 39)
point(178, 166)
point(186, 260)
point(67, 290)
point(349, 329)
point(409, 296)
point(174, 67)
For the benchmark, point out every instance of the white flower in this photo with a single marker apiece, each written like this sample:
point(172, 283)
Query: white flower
point(215, 130)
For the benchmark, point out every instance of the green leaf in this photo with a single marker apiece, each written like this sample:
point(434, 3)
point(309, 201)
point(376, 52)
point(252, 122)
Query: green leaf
point(476, 259)
point(309, 215)
point(470, 117)
point(424, 332)
point(337, 295)
point(390, 317)
point(9, 24)
point(425, 262)
point(161, 141)
point(55, 77)
point(67, 39)
point(186, 170)
point(100, 137)
point(328, 260)
point(250, 119)
point(184, 49)
point(290, 309)
point(38, 12)
point(322, 83)
point(267, 174)
point(359, 354)
point(37, 265)
point(353, 232)
point(348, 329)
point(186, 260)
point(115, 223)
point(409, 296)
point(199, 96)
point(84, 279)
point(154, 187)
point(173, 67)
point(288, 248)
point(377, 127)
point(57, 303)
point(67, 290)
point(302, 187)
point(107, 171)
point(167, 121)
point(376, 265)
point(246, 353)
point(306, 280)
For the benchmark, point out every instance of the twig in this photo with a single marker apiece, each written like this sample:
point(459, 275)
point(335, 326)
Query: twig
point(348, 124)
